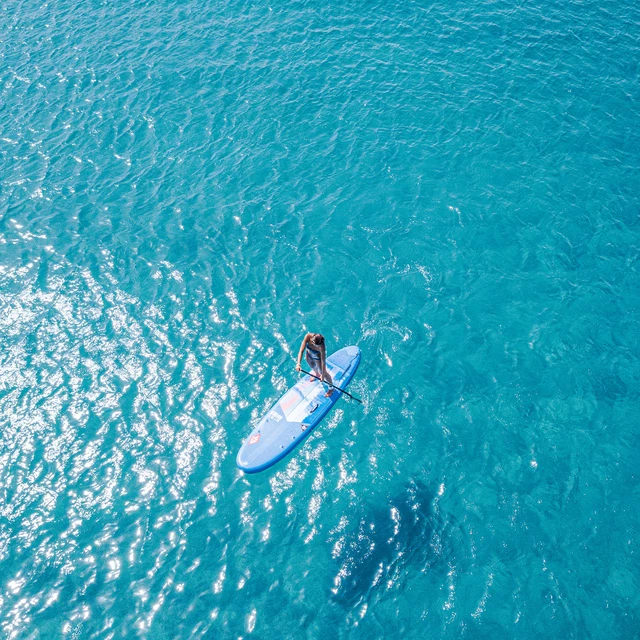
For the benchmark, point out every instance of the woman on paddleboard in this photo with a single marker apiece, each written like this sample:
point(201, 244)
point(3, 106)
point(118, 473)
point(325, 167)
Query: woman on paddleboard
point(316, 357)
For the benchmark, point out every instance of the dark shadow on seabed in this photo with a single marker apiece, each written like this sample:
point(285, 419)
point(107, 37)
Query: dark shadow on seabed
point(381, 542)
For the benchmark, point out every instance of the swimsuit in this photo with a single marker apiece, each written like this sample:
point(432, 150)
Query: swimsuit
point(313, 354)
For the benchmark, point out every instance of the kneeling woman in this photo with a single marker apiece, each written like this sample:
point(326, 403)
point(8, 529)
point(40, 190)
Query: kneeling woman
point(316, 357)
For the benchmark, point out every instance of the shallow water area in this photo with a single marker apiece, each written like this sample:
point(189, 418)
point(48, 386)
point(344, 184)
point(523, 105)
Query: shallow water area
point(186, 188)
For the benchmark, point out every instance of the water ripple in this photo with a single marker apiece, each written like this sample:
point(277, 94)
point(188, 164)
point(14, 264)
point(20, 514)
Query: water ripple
point(186, 190)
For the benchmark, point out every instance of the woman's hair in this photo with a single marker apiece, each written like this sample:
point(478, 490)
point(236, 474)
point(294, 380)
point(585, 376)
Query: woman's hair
point(317, 338)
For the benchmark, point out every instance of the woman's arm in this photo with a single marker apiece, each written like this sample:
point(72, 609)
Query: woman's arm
point(302, 346)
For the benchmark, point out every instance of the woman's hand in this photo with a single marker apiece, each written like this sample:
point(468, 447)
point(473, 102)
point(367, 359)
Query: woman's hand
point(298, 367)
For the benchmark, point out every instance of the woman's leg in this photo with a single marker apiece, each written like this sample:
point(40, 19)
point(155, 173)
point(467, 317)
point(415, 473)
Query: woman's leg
point(329, 379)
point(314, 365)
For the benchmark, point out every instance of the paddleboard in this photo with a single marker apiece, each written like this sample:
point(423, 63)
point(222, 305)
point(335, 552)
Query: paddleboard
point(296, 414)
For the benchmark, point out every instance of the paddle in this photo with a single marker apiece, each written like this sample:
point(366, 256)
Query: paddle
point(346, 393)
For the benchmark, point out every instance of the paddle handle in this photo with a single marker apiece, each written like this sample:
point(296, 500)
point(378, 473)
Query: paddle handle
point(330, 384)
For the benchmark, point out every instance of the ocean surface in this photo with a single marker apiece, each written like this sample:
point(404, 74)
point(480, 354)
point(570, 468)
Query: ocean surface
point(186, 188)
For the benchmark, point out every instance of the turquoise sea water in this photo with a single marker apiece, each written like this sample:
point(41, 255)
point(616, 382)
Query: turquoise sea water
point(187, 187)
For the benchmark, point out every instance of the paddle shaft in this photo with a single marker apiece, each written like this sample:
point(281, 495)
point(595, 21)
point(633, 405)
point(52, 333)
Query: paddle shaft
point(330, 384)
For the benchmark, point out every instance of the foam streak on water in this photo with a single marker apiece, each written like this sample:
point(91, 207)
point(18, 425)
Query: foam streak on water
point(186, 188)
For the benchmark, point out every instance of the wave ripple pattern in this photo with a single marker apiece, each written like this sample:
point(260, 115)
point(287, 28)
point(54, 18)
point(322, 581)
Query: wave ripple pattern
point(187, 187)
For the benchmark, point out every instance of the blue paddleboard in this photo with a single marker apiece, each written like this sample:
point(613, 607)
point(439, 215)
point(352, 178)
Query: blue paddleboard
point(296, 414)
